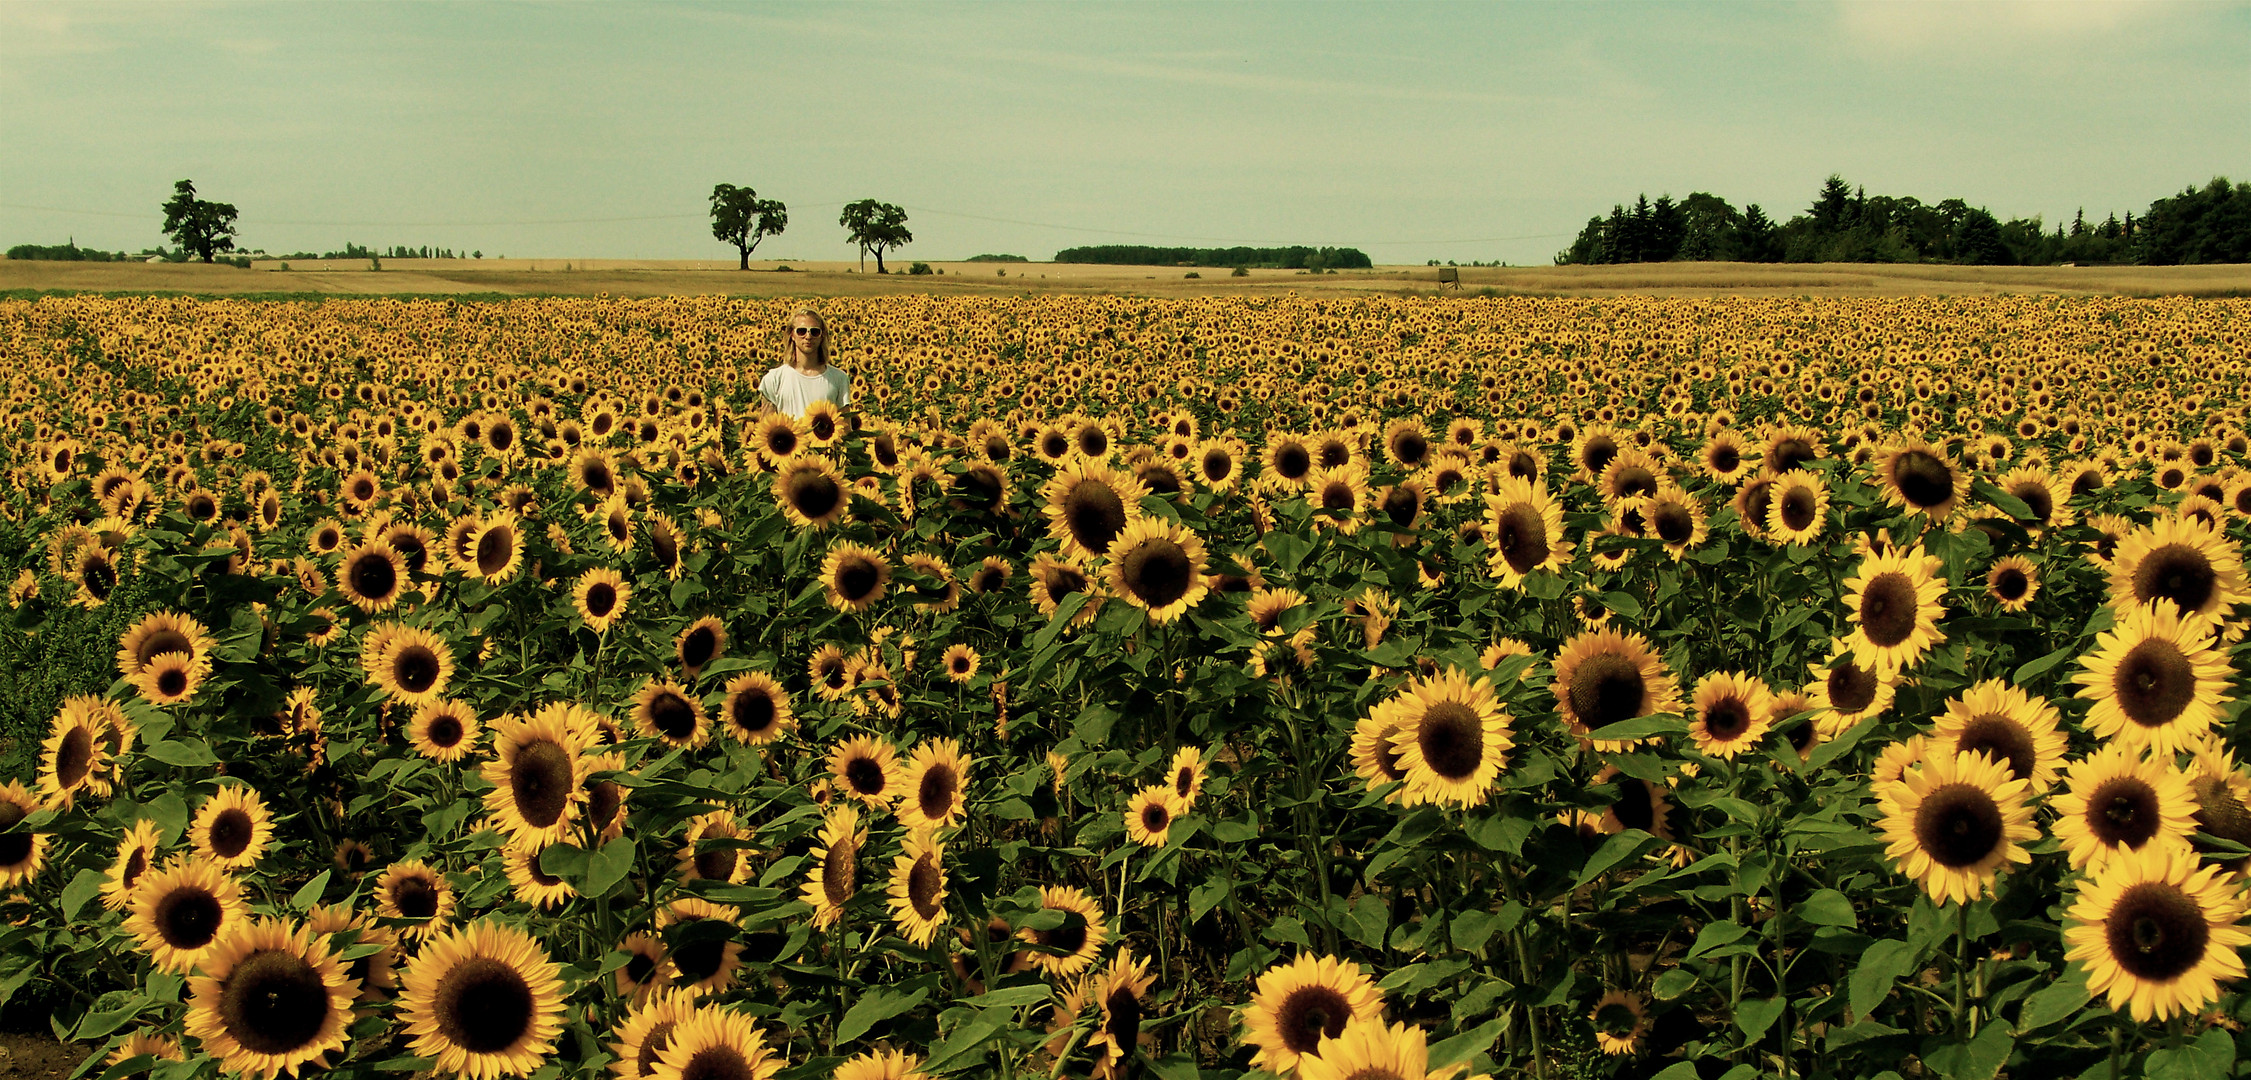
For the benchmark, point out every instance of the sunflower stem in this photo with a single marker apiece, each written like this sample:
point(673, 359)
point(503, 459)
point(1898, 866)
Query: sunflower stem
point(2117, 1045)
point(1961, 966)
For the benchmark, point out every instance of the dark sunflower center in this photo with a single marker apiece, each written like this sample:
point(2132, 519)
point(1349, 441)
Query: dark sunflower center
point(997, 448)
point(601, 599)
point(2176, 572)
point(653, 1043)
point(718, 1063)
point(2156, 932)
point(1093, 442)
point(699, 647)
point(483, 1005)
point(231, 832)
point(856, 578)
point(1674, 524)
point(1607, 688)
point(935, 795)
point(1055, 444)
point(1184, 781)
point(1596, 457)
point(1727, 719)
point(2011, 584)
point(1158, 571)
point(415, 897)
point(1852, 687)
point(1616, 1021)
point(373, 576)
point(1522, 537)
point(1216, 465)
point(596, 478)
point(619, 526)
point(161, 642)
point(2003, 740)
point(1523, 466)
point(2123, 812)
point(1094, 514)
point(716, 864)
point(1887, 609)
point(411, 549)
point(865, 776)
point(1155, 818)
point(1797, 509)
point(2154, 683)
point(415, 669)
point(781, 442)
point(1452, 740)
point(1923, 479)
point(74, 758)
point(1292, 461)
point(273, 1002)
point(603, 801)
point(672, 716)
point(1410, 448)
point(637, 971)
point(541, 781)
point(1070, 936)
point(1756, 498)
point(2037, 499)
point(814, 493)
point(1310, 1014)
point(172, 681)
point(1402, 506)
point(700, 959)
point(136, 864)
point(1336, 497)
point(1333, 452)
point(840, 871)
point(188, 917)
point(1122, 1019)
point(924, 881)
point(1633, 480)
point(1791, 453)
point(753, 712)
point(494, 549)
point(1958, 825)
point(444, 732)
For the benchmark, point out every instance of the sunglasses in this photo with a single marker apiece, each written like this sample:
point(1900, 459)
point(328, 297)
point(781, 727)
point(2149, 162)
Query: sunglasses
point(806, 331)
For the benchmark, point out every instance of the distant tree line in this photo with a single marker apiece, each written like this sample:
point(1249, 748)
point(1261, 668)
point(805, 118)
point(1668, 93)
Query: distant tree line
point(1281, 258)
point(69, 252)
point(997, 258)
point(1846, 224)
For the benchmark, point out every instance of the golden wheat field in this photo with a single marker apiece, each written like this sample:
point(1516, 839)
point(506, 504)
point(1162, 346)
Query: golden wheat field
point(1334, 687)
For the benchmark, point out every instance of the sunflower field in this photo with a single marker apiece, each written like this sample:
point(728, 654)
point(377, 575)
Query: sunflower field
point(1234, 688)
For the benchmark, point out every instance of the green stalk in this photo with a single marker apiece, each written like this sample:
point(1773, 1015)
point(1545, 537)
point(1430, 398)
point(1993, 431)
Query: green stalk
point(1961, 964)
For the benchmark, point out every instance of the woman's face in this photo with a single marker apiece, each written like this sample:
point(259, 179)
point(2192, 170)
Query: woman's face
point(805, 332)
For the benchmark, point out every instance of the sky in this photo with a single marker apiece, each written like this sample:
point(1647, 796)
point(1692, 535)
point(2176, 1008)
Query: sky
point(1412, 131)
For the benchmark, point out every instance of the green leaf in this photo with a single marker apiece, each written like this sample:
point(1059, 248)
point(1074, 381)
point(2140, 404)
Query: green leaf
point(404, 1064)
point(566, 861)
point(1880, 967)
point(1978, 1059)
point(1472, 929)
point(2003, 501)
point(1716, 935)
point(1371, 920)
point(875, 1006)
point(1544, 585)
point(964, 1047)
point(1011, 997)
point(1460, 1048)
point(1682, 1070)
point(1640, 727)
point(1827, 907)
point(2211, 1057)
point(2031, 669)
point(184, 753)
point(2055, 1001)
point(1288, 548)
point(82, 888)
point(1754, 1015)
point(607, 867)
point(1176, 1066)
point(1500, 832)
point(1622, 604)
point(1673, 984)
point(1616, 850)
point(309, 894)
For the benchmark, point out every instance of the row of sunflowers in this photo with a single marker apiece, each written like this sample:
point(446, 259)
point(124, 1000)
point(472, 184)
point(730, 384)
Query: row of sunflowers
point(1330, 689)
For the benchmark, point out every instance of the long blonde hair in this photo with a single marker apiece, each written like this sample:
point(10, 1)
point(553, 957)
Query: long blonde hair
point(789, 336)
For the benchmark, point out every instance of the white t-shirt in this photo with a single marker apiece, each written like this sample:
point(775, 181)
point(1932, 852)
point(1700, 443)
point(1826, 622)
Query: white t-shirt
point(791, 390)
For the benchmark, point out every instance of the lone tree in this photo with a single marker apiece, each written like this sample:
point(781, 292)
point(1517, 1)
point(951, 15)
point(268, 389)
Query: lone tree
point(198, 225)
point(741, 218)
point(875, 227)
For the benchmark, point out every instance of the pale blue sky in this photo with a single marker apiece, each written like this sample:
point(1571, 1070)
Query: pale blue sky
point(1413, 131)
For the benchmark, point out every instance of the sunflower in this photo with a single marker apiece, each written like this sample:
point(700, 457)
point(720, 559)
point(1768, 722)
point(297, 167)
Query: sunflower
point(1725, 457)
point(663, 709)
point(443, 730)
point(1219, 463)
point(74, 758)
point(1288, 461)
point(1150, 813)
point(1676, 519)
point(535, 775)
point(414, 891)
point(824, 424)
point(868, 767)
point(373, 576)
point(811, 493)
point(1733, 711)
point(1121, 991)
point(700, 961)
point(1953, 823)
point(163, 632)
point(1921, 479)
point(774, 436)
point(2008, 725)
point(170, 679)
point(648, 1029)
point(1525, 528)
point(2179, 560)
point(1186, 775)
point(1054, 579)
point(2044, 494)
point(1087, 504)
point(756, 710)
point(616, 518)
point(1076, 941)
point(833, 676)
point(496, 549)
point(2013, 582)
point(136, 854)
point(1846, 692)
point(718, 1044)
point(179, 913)
point(605, 799)
point(1339, 498)
point(1893, 603)
point(270, 999)
point(1797, 507)
point(1295, 1006)
point(232, 828)
point(724, 861)
point(1375, 758)
point(412, 665)
point(1603, 677)
point(533, 885)
point(1639, 804)
point(854, 577)
point(1452, 737)
point(959, 663)
point(2157, 935)
point(143, 1043)
point(2157, 679)
point(835, 877)
point(944, 593)
point(484, 1000)
point(917, 890)
point(2118, 800)
point(991, 576)
point(375, 972)
point(881, 1065)
point(934, 784)
point(1158, 566)
point(600, 595)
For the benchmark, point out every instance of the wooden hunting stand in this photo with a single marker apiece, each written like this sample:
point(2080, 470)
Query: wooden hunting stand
point(1448, 277)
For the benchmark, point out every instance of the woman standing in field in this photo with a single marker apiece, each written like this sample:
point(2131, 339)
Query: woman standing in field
point(804, 375)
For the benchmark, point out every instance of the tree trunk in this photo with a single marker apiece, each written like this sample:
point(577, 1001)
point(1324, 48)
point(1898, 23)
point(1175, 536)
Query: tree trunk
point(879, 260)
point(745, 260)
point(863, 260)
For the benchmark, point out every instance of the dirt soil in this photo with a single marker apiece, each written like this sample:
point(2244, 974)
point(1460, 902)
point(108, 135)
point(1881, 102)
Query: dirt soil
point(37, 1057)
point(623, 277)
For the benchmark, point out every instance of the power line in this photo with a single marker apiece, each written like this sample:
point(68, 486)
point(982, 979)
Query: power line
point(816, 206)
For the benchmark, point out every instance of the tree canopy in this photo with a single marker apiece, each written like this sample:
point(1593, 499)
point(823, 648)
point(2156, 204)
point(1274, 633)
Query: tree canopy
point(198, 225)
point(741, 218)
point(875, 226)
